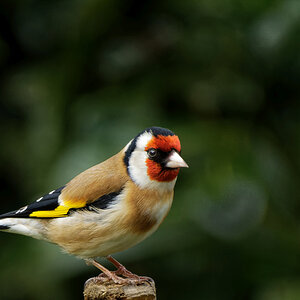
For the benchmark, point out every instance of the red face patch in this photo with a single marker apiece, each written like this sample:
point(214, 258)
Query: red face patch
point(165, 144)
point(155, 172)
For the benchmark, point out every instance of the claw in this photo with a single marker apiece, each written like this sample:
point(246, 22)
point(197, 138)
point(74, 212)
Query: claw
point(130, 278)
point(122, 271)
point(110, 275)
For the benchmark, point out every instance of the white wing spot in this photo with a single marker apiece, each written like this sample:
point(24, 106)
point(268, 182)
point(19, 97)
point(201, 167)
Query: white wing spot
point(51, 192)
point(21, 209)
point(38, 200)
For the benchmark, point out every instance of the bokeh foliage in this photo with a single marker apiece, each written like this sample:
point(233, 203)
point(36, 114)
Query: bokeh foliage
point(79, 79)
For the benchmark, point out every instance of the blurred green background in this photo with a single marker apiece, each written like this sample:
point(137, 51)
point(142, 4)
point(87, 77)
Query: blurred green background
point(79, 79)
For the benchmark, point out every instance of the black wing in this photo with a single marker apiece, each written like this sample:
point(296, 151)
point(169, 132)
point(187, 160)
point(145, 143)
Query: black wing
point(49, 207)
point(46, 203)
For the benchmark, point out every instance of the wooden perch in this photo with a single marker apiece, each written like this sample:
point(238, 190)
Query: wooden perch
point(102, 288)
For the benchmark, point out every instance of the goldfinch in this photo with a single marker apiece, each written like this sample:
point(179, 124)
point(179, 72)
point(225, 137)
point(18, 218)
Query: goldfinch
point(110, 206)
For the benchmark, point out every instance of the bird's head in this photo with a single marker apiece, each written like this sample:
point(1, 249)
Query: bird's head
point(153, 158)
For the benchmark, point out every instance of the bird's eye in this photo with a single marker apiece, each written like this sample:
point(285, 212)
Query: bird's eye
point(152, 153)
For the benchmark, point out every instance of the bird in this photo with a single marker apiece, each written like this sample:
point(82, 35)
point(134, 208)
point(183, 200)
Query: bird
point(109, 207)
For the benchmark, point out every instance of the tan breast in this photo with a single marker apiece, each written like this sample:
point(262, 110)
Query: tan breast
point(146, 208)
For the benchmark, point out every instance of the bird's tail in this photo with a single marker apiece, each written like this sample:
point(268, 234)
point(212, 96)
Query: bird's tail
point(24, 226)
point(4, 224)
point(4, 227)
point(11, 225)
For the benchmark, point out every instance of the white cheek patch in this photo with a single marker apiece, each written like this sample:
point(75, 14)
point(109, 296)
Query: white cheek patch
point(137, 163)
point(143, 140)
point(137, 167)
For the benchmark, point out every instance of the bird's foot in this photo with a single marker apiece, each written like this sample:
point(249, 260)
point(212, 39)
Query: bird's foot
point(112, 277)
point(115, 276)
point(106, 273)
point(122, 271)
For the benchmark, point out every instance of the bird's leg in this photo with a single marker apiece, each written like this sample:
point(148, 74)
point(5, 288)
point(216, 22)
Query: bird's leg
point(121, 270)
point(109, 274)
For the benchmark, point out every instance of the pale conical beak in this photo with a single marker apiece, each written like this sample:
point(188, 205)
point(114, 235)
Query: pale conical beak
point(175, 161)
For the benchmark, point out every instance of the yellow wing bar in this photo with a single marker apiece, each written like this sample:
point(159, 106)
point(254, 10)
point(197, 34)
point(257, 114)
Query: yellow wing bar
point(60, 211)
